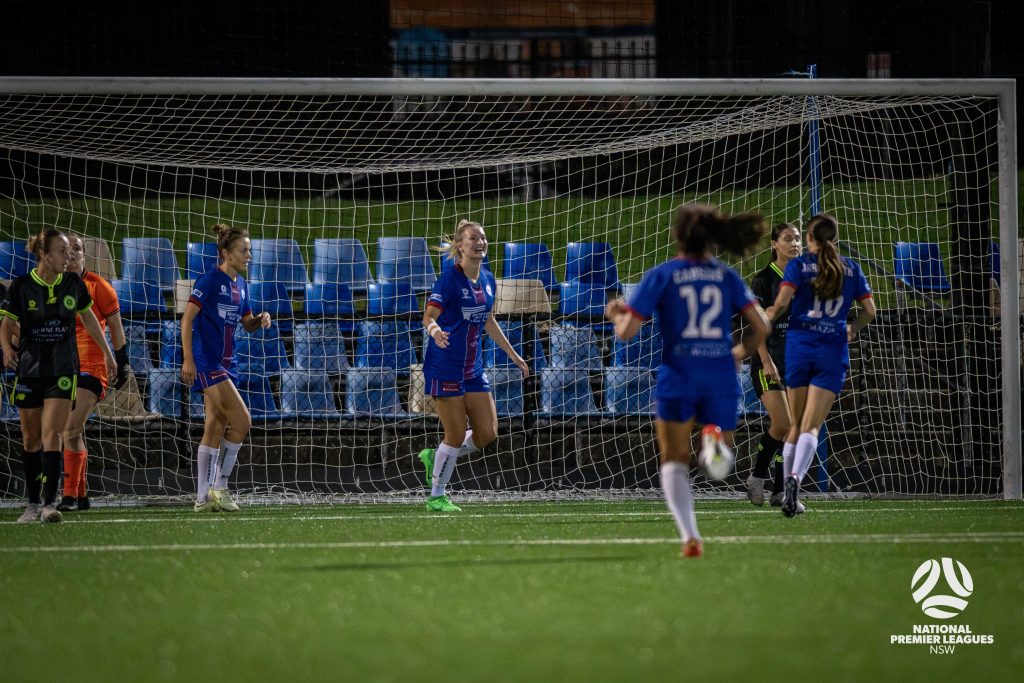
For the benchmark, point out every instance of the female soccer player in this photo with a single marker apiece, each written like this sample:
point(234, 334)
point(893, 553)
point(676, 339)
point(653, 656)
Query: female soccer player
point(219, 303)
point(458, 309)
point(92, 375)
point(694, 297)
point(768, 367)
point(822, 286)
point(41, 309)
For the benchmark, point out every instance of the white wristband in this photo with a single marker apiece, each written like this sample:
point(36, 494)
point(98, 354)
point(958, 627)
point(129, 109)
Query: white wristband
point(432, 327)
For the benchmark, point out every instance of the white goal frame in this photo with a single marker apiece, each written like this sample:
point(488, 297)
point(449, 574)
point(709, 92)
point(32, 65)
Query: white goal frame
point(1004, 90)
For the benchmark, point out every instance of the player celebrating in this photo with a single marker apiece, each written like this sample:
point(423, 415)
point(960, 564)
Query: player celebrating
point(768, 367)
point(40, 309)
point(694, 297)
point(92, 375)
point(219, 303)
point(822, 285)
point(458, 309)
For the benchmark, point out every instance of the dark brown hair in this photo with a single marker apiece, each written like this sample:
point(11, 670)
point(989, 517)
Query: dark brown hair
point(226, 236)
point(698, 227)
point(40, 244)
point(829, 283)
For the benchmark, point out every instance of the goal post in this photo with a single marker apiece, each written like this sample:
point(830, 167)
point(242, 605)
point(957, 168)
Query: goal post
point(553, 161)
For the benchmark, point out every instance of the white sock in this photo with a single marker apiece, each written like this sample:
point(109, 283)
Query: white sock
point(206, 458)
point(444, 465)
point(467, 445)
point(787, 459)
point(805, 447)
point(230, 451)
point(675, 483)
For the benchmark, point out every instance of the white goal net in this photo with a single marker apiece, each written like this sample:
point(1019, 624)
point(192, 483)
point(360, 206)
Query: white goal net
point(347, 187)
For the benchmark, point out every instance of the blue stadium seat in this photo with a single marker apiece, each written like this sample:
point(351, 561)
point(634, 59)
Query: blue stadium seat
point(642, 351)
point(405, 259)
point(583, 301)
point(8, 413)
point(373, 392)
point(994, 263)
point(139, 299)
point(196, 407)
point(278, 261)
point(272, 298)
point(391, 298)
point(445, 261)
point(528, 261)
point(200, 258)
point(749, 403)
point(138, 348)
point(591, 263)
point(171, 354)
point(261, 352)
point(495, 357)
point(629, 391)
point(150, 260)
point(307, 394)
point(319, 347)
point(507, 385)
point(15, 260)
point(628, 288)
point(565, 392)
point(919, 266)
point(259, 397)
point(574, 347)
point(332, 301)
point(165, 392)
point(341, 261)
point(382, 344)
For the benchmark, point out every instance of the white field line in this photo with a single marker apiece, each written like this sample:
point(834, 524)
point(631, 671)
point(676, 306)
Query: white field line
point(837, 539)
point(180, 517)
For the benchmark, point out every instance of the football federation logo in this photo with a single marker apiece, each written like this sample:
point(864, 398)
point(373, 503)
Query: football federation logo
point(926, 579)
point(69, 302)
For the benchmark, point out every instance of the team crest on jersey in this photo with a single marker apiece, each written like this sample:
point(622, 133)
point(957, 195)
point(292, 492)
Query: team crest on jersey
point(488, 288)
point(64, 383)
point(69, 302)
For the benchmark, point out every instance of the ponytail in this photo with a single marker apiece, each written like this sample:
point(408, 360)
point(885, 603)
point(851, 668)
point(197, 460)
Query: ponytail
point(226, 236)
point(40, 244)
point(698, 227)
point(453, 242)
point(829, 283)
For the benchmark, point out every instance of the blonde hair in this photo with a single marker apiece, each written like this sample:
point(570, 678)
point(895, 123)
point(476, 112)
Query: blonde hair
point(456, 238)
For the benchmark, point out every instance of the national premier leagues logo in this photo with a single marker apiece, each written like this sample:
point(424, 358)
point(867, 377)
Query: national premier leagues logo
point(941, 588)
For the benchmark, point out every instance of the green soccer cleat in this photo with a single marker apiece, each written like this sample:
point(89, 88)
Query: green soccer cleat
point(441, 504)
point(427, 458)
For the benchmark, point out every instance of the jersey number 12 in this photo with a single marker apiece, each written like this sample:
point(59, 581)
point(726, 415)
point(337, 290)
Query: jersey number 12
point(701, 325)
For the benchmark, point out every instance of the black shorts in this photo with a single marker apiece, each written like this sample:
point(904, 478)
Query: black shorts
point(91, 383)
point(30, 392)
point(763, 383)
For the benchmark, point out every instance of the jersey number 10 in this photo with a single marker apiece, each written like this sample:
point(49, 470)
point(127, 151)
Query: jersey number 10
point(831, 307)
point(701, 325)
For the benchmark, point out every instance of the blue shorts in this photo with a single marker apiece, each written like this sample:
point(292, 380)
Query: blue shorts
point(207, 379)
point(444, 388)
point(717, 410)
point(824, 364)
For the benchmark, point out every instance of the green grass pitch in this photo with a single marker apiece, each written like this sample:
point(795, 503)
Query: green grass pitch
point(504, 592)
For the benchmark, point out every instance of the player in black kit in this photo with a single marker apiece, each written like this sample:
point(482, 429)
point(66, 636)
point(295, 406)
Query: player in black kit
point(40, 311)
point(768, 369)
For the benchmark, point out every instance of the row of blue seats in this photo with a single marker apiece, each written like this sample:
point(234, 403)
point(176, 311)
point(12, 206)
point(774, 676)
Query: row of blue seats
point(373, 392)
point(321, 346)
point(919, 265)
point(340, 261)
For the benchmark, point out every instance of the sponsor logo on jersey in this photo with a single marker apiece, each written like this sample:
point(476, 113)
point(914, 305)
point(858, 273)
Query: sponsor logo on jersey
point(32, 306)
point(197, 293)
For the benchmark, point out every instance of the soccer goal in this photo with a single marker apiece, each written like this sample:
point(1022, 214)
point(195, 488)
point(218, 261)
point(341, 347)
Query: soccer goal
point(347, 187)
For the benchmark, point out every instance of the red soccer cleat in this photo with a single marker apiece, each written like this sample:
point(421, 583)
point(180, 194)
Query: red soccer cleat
point(693, 548)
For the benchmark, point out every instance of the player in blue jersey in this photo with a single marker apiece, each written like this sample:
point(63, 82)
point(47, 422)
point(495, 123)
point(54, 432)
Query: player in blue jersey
point(219, 303)
point(457, 314)
point(818, 288)
point(694, 298)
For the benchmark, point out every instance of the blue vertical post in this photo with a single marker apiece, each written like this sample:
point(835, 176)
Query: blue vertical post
point(814, 176)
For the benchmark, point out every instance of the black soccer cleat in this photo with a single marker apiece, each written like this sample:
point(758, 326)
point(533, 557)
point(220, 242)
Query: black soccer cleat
point(83, 504)
point(789, 505)
point(67, 504)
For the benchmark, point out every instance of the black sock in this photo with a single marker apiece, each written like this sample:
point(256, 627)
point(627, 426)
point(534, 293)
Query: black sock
point(52, 464)
point(777, 484)
point(766, 450)
point(32, 466)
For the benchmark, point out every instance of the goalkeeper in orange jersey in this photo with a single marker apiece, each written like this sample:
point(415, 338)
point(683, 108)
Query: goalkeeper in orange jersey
point(92, 375)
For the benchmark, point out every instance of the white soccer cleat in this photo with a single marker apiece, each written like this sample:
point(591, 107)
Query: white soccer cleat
point(755, 490)
point(715, 457)
point(31, 514)
point(50, 515)
point(224, 501)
